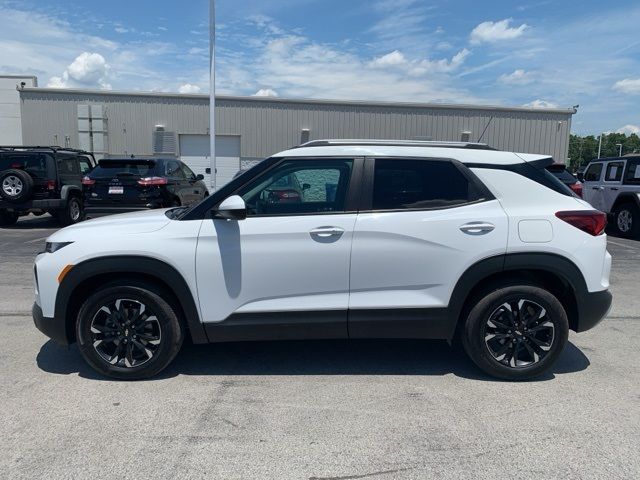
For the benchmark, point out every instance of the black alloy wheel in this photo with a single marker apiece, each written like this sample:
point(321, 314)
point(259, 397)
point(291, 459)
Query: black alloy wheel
point(125, 333)
point(519, 333)
point(515, 332)
point(129, 330)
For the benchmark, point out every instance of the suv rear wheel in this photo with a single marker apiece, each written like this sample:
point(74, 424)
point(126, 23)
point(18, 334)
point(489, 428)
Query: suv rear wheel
point(516, 333)
point(627, 220)
point(128, 332)
point(8, 218)
point(15, 185)
point(72, 213)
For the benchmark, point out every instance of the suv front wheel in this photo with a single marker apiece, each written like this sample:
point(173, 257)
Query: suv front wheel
point(516, 332)
point(128, 332)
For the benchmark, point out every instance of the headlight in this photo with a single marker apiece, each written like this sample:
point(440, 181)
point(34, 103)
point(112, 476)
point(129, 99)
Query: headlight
point(55, 246)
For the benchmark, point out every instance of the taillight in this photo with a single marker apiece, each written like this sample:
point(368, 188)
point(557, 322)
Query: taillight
point(591, 221)
point(577, 188)
point(148, 181)
point(88, 181)
point(50, 184)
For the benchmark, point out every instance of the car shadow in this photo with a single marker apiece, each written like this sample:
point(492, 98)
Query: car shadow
point(329, 357)
point(32, 221)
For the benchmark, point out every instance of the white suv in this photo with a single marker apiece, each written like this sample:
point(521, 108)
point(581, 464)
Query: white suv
point(379, 239)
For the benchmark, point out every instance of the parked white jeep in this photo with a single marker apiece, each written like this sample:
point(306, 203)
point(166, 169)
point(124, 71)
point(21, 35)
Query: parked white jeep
point(612, 185)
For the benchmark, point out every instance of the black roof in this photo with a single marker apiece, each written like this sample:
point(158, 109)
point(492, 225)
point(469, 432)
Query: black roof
point(54, 149)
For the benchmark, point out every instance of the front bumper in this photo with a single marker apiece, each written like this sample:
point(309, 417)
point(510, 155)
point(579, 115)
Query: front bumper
point(593, 307)
point(55, 329)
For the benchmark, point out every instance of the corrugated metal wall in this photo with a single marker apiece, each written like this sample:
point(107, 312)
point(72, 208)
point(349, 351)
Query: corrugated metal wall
point(267, 126)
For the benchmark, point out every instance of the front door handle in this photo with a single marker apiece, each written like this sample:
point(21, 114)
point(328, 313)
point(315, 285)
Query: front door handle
point(477, 228)
point(614, 188)
point(326, 232)
point(598, 188)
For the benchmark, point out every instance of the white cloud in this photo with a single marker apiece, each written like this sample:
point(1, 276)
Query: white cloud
point(164, 29)
point(266, 92)
point(87, 70)
point(390, 59)
point(496, 31)
point(538, 103)
point(517, 77)
point(628, 85)
point(629, 129)
point(420, 67)
point(189, 88)
point(121, 29)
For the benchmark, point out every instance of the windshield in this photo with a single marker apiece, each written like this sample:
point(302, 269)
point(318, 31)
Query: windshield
point(34, 164)
point(112, 168)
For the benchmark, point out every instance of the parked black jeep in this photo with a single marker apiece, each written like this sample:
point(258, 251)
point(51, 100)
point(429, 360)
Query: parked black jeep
point(42, 180)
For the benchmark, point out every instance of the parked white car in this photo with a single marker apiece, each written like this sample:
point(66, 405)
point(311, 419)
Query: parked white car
point(612, 185)
point(387, 239)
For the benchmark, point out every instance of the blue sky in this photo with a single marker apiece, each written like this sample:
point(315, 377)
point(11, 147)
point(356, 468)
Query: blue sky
point(527, 52)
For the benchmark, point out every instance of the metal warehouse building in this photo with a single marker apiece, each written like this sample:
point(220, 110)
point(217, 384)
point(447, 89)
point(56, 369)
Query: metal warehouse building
point(251, 128)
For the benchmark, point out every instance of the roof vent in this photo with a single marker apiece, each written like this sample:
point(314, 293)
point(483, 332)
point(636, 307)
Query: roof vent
point(164, 141)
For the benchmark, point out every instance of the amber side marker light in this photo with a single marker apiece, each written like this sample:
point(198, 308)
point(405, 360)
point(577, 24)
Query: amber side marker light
point(64, 272)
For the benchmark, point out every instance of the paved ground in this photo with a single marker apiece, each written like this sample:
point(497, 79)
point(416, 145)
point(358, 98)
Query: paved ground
point(316, 410)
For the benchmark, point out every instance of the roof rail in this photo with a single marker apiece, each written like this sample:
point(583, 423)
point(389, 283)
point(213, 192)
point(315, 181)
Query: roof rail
point(52, 148)
point(396, 143)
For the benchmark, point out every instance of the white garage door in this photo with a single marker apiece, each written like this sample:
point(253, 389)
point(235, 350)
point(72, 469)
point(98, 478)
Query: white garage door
point(194, 151)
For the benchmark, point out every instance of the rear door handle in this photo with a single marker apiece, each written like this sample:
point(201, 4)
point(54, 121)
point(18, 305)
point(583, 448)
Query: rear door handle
point(326, 232)
point(614, 188)
point(477, 228)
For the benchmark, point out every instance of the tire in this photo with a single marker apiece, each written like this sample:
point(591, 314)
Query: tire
point(8, 218)
point(519, 353)
point(15, 185)
point(134, 350)
point(626, 220)
point(72, 213)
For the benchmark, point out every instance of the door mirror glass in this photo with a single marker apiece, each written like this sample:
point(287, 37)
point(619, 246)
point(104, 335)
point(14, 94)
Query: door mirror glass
point(199, 177)
point(232, 208)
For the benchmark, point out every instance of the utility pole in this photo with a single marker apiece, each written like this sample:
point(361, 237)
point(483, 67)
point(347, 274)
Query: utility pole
point(599, 143)
point(212, 92)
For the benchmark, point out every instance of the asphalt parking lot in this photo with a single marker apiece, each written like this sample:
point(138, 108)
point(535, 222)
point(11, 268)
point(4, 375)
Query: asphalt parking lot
point(316, 410)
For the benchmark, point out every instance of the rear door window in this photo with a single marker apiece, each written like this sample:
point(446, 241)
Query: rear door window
point(420, 184)
point(173, 170)
point(593, 172)
point(614, 172)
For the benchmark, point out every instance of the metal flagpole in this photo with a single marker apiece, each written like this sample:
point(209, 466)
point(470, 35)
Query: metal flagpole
point(212, 92)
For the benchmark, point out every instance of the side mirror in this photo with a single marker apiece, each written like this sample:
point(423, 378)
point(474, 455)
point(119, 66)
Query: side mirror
point(306, 186)
point(207, 171)
point(580, 176)
point(199, 177)
point(232, 208)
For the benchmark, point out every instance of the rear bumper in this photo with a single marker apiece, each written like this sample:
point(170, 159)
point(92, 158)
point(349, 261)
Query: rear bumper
point(45, 204)
point(593, 307)
point(53, 328)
